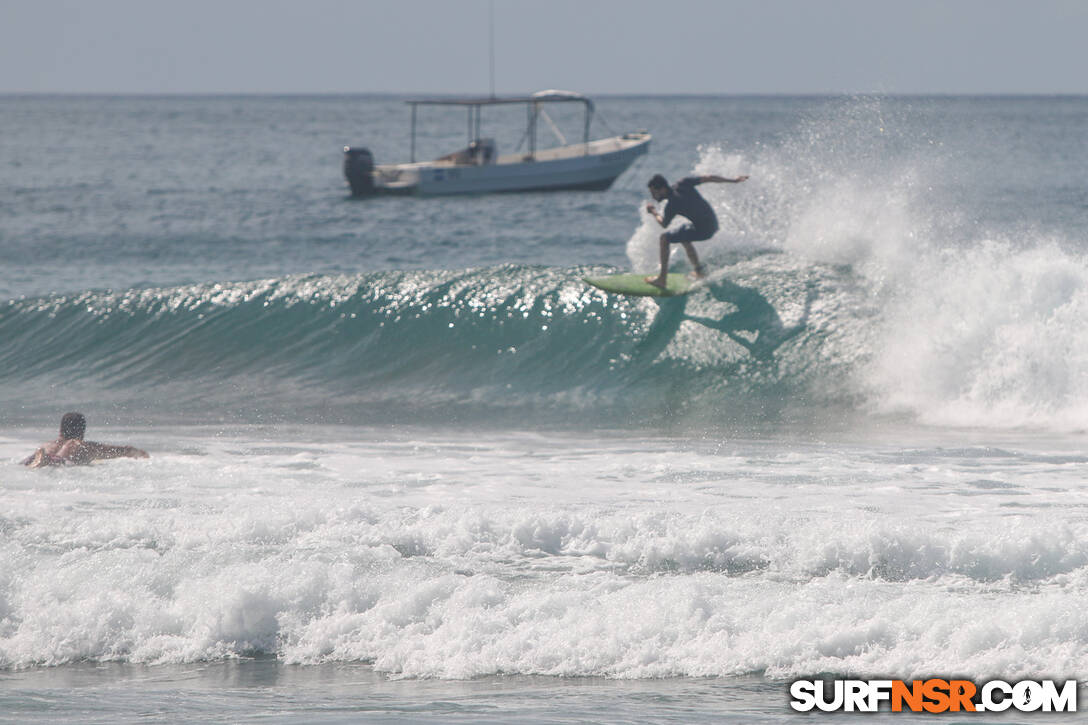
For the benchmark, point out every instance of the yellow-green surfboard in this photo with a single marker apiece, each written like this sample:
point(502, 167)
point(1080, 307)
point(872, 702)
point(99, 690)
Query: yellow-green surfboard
point(636, 285)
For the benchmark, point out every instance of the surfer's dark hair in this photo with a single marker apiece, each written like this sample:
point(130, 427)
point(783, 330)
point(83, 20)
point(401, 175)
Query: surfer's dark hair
point(72, 425)
point(658, 182)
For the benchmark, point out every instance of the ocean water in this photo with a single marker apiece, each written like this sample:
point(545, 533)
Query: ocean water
point(406, 466)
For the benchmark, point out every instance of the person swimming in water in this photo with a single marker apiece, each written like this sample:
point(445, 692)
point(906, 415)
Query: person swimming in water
point(71, 449)
point(684, 199)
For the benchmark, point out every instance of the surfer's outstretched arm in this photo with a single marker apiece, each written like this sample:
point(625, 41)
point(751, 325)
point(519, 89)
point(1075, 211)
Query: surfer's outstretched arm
point(721, 179)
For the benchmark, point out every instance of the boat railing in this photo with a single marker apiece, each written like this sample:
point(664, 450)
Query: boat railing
point(474, 107)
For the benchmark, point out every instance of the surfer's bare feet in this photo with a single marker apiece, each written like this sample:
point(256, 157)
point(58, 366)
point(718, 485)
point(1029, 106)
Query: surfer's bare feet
point(658, 282)
point(699, 272)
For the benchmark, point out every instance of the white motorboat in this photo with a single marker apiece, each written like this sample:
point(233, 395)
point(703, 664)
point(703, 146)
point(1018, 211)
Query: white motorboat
point(479, 168)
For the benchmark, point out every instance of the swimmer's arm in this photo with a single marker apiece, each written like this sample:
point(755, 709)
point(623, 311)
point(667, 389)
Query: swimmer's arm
point(91, 451)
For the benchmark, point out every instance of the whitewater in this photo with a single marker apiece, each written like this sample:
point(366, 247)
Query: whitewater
point(406, 465)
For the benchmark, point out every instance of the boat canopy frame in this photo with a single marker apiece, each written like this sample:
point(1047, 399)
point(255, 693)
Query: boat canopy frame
point(475, 104)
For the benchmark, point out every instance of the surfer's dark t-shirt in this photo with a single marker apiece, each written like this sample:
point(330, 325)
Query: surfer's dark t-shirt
point(686, 201)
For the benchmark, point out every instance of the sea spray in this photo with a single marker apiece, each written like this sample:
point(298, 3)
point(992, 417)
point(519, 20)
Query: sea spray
point(989, 335)
point(970, 326)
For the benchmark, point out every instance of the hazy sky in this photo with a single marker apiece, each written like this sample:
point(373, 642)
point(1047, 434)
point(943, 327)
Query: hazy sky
point(595, 46)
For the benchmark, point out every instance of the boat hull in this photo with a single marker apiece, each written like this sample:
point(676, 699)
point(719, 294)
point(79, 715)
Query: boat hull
point(581, 167)
point(591, 172)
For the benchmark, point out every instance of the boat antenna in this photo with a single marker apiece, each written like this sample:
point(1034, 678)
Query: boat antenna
point(491, 41)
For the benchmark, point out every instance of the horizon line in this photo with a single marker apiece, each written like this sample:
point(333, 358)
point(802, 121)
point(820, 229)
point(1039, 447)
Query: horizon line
point(608, 94)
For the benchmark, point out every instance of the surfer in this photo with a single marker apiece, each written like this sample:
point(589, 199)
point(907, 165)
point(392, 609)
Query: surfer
point(684, 199)
point(71, 449)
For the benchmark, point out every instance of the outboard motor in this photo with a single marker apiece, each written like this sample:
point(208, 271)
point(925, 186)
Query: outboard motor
point(359, 170)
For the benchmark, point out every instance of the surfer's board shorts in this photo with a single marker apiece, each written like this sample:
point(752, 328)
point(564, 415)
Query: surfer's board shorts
point(689, 233)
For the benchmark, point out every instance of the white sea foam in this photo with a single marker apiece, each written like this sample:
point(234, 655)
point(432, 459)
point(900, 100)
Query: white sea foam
point(451, 556)
point(990, 335)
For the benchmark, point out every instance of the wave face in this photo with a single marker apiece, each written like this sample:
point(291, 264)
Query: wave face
point(985, 336)
point(411, 345)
